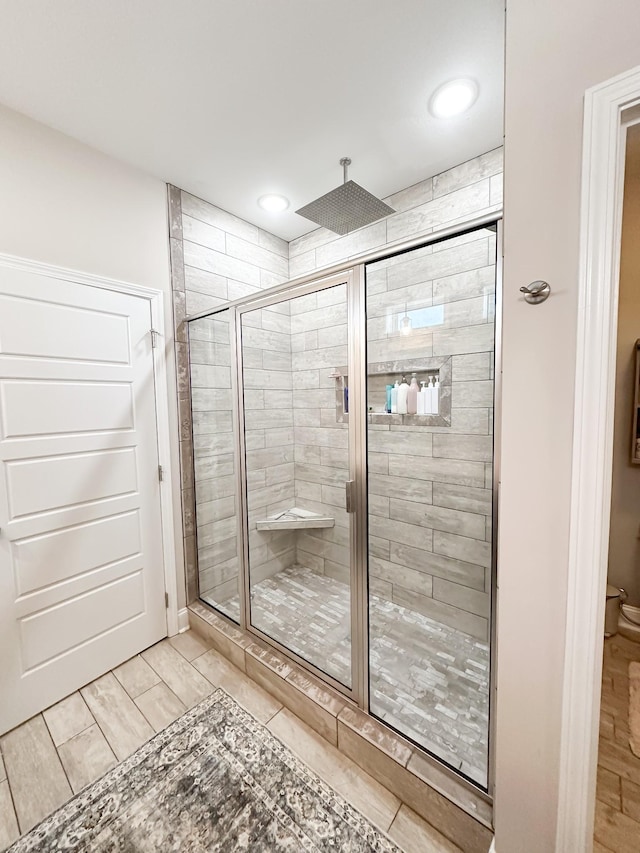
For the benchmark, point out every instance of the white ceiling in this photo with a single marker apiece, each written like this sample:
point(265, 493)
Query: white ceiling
point(231, 99)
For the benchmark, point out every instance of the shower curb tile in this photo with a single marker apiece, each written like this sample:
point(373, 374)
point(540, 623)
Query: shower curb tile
point(431, 774)
point(227, 646)
point(264, 670)
point(377, 735)
point(317, 692)
point(269, 659)
point(455, 824)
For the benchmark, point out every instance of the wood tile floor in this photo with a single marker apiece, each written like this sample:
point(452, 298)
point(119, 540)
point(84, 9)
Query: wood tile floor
point(617, 826)
point(48, 759)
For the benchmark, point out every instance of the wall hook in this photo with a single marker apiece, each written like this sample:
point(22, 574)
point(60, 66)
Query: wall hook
point(536, 292)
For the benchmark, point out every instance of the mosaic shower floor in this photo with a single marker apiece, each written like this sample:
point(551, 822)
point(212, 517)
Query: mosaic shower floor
point(429, 681)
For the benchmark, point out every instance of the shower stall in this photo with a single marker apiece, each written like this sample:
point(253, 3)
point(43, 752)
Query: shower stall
point(343, 518)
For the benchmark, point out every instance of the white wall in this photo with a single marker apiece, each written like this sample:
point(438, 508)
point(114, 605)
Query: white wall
point(64, 203)
point(554, 52)
point(624, 540)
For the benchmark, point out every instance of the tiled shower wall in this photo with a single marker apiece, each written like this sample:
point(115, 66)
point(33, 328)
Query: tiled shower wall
point(217, 257)
point(430, 489)
point(319, 346)
point(435, 557)
point(266, 350)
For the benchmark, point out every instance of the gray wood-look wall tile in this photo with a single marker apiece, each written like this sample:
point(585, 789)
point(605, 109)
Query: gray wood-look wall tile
point(209, 213)
point(220, 263)
point(413, 196)
point(472, 447)
point(438, 518)
point(208, 283)
point(496, 187)
point(400, 575)
point(472, 600)
point(472, 394)
point(362, 240)
point(469, 172)
point(443, 209)
point(471, 367)
point(477, 500)
point(260, 257)
point(462, 548)
point(468, 623)
point(197, 231)
point(315, 238)
point(438, 565)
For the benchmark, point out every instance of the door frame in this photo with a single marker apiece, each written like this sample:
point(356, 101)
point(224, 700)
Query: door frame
point(155, 299)
point(605, 122)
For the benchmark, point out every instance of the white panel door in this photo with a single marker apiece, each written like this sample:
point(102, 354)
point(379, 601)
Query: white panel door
point(81, 563)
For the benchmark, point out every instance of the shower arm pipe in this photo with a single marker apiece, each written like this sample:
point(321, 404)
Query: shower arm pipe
point(425, 238)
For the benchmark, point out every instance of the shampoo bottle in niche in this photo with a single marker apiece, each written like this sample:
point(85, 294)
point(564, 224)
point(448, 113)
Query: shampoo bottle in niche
point(429, 410)
point(389, 390)
point(435, 397)
point(412, 396)
point(422, 396)
point(403, 393)
point(394, 398)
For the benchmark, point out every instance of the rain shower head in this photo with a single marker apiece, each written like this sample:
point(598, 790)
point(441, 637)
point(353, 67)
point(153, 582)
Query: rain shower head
point(347, 207)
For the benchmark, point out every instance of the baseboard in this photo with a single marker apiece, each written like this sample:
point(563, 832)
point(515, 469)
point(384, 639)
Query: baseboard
point(183, 620)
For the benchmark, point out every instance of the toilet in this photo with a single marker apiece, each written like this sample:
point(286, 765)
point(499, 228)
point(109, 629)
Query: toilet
point(612, 610)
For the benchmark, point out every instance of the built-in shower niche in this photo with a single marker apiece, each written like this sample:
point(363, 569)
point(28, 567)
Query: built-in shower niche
point(383, 373)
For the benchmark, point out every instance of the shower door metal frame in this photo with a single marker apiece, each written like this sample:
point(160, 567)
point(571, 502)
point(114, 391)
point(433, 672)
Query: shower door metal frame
point(353, 271)
point(353, 280)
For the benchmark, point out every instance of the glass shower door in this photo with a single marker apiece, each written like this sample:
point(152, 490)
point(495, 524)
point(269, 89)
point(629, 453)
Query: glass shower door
point(294, 382)
point(430, 397)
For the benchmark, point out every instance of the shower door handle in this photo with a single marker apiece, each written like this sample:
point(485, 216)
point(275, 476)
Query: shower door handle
point(349, 488)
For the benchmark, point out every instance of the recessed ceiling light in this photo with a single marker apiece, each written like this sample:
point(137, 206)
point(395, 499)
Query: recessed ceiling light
point(273, 203)
point(453, 98)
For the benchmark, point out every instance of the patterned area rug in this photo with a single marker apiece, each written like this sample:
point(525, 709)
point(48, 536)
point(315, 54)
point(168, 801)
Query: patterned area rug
point(214, 780)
